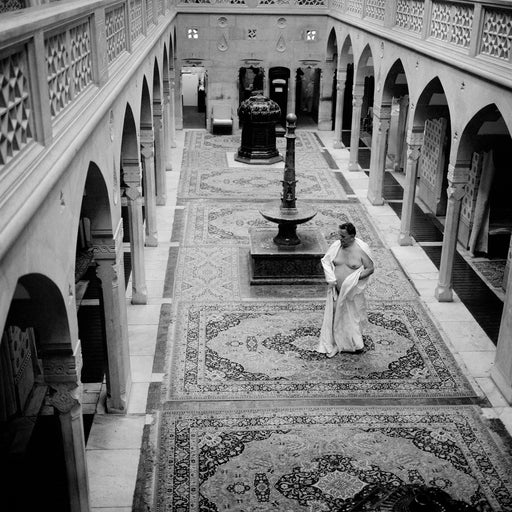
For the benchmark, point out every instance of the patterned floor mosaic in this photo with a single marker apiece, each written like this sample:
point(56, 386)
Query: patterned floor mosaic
point(325, 459)
point(260, 350)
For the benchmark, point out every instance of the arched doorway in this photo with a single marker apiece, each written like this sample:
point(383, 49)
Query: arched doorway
point(42, 450)
point(307, 96)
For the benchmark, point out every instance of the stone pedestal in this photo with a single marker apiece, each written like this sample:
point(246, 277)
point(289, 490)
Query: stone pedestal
point(297, 264)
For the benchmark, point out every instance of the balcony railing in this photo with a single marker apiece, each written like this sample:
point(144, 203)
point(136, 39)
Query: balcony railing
point(72, 61)
point(479, 32)
point(477, 28)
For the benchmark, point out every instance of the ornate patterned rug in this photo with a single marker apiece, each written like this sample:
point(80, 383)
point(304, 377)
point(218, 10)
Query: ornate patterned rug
point(255, 350)
point(207, 273)
point(205, 172)
point(217, 181)
point(492, 271)
point(197, 140)
point(325, 458)
point(223, 223)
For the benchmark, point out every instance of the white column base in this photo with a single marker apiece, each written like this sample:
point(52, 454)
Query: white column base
point(405, 239)
point(151, 241)
point(139, 297)
point(444, 293)
point(375, 200)
point(501, 383)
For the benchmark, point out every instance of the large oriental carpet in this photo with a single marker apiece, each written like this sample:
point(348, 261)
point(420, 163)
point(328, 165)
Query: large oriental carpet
point(254, 349)
point(325, 458)
point(251, 418)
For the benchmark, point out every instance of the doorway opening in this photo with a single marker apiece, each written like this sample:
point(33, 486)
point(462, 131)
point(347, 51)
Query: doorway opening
point(279, 77)
point(193, 95)
point(307, 97)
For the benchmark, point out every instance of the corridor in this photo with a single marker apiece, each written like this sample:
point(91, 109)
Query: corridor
point(242, 414)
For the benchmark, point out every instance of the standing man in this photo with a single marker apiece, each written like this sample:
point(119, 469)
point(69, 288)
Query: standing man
point(347, 265)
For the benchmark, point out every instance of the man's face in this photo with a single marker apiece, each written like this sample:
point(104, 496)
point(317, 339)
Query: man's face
point(345, 238)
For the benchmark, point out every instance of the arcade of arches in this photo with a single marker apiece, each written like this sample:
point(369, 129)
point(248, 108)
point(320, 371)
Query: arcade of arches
point(124, 226)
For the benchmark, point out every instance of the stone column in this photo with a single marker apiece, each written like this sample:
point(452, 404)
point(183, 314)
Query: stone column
point(177, 101)
point(62, 375)
point(166, 117)
point(172, 110)
point(147, 150)
point(160, 156)
point(414, 144)
point(131, 176)
point(357, 103)
point(381, 121)
point(501, 372)
point(341, 79)
point(108, 254)
point(458, 175)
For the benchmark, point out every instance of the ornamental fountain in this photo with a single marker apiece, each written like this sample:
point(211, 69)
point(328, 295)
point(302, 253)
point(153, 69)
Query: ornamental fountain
point(285, 258)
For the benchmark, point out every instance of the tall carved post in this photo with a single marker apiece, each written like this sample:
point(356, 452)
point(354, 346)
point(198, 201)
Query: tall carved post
point(108, 254)
point(414, 144)
point(292, 94)
point(458, 175)
point(381, 121)
point(357, 103)
point(62, 375)
point(501, 373)
point(147, 150)
point(341, 78)
point(166, 116)
point(176, 100)
point(131, 177)
point(160, 153)
point(172, 110)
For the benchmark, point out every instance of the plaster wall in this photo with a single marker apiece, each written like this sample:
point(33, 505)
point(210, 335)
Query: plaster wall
point(224, 46)
point(47, 243)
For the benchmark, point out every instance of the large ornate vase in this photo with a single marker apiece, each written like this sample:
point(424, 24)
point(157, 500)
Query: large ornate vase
point(259, 115)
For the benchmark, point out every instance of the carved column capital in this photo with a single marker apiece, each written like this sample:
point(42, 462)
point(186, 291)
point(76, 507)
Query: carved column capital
point(415, 137)
point(459, 173)
point(341, 75)
point(456, 191)
point(157, 109)
point(147, 150)
point(60, 365)
point(382, 112)
point(413, 152)
point(357, 101)
point(64, 397)
point(107, 246)
point(383, 126)
point(131, 172)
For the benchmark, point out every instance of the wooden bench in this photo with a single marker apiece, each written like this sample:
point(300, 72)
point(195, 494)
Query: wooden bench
point(222, 118)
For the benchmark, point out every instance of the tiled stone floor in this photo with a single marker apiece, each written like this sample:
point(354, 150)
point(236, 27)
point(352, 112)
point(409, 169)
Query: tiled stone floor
point(115, 442)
